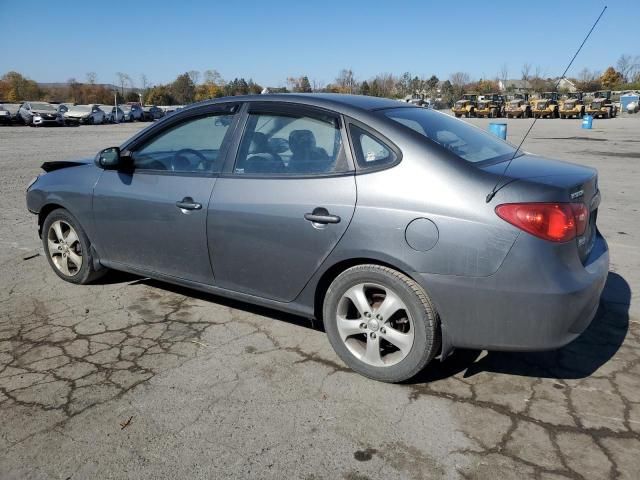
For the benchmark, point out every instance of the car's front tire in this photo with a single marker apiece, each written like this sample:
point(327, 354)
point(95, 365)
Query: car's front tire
point(381, 323)
point(68, 248)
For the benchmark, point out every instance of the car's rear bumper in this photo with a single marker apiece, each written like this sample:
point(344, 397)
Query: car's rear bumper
point(535, 301)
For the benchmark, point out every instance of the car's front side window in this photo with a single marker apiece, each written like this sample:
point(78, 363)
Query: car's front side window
point(291, 144)
point(191, 146)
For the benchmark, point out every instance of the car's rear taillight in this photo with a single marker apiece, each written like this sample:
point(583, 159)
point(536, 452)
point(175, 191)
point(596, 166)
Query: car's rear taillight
point(556, 222)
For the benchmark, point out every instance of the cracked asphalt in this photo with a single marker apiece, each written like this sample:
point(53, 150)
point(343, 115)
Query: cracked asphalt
point(132, 378)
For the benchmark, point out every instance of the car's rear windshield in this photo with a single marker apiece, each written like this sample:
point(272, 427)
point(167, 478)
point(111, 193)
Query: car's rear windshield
point(466, 141)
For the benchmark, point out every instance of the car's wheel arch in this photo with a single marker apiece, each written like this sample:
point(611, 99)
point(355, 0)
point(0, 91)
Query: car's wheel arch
point(45, 210)
point(331, 273)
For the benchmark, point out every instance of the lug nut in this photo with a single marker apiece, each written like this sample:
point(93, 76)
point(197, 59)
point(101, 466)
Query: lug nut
point(383, 330)
point(379, 317)
point(363, 325)
point(373, 335)
point(367, 314)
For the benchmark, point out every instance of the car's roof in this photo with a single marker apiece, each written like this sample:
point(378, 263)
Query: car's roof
point(335, 101)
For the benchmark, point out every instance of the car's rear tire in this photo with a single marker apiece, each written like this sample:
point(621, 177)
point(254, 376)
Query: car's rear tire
point(68, 248)
point(381, 323)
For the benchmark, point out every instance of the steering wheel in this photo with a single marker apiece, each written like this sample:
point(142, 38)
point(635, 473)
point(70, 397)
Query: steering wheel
point(175, 165)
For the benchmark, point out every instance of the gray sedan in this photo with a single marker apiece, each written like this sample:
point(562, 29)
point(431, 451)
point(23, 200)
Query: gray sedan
point(367, 214)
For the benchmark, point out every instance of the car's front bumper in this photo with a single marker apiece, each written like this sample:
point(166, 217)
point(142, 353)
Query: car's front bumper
point(47, 121)
point(541, 298)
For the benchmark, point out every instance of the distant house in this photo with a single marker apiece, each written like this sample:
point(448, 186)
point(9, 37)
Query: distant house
point(515, 86)
point(566, 84)
point(522, 86)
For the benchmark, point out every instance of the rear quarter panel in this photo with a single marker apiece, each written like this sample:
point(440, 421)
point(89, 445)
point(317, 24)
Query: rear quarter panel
point(428, 183)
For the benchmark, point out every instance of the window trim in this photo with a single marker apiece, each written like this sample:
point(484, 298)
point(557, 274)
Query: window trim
point(156, 130)
point(276, 108)
point(379, 137)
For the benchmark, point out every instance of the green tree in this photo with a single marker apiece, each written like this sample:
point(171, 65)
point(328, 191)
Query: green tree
point(305, 85)
point(183, 90)
point(160, 95)
point(365, 89)
point(432, 83)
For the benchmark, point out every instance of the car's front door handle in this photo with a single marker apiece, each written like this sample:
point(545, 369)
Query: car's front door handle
point(187, 203)
point(321, 215)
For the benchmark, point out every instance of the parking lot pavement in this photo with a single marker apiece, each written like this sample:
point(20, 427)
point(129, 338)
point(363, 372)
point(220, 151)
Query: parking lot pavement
point(131, 378)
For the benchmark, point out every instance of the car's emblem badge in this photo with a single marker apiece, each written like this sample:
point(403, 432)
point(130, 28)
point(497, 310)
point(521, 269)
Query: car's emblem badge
point(577, 194)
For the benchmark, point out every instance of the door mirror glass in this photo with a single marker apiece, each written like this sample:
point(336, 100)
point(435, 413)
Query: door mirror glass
point(108, 158)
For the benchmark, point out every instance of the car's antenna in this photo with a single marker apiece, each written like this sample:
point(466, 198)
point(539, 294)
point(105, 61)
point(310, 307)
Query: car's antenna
point(495, 188)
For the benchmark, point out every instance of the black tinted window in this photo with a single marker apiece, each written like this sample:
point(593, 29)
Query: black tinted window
point(371, 152)
point(191, 146)
point(291, 144)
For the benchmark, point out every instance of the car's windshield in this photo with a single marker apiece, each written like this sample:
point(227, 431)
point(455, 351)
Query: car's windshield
point(125, 108)
point(81, 108)
point(464, 140)
point(42, 106)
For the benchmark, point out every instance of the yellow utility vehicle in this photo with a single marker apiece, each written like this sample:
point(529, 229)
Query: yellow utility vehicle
point(601, 105)
point(518, 106)
point(572, 105)
point(491, 105)
point(546, 106)
point(466, 106)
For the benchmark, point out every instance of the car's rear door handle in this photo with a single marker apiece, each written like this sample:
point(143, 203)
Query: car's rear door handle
point(187, 203)
point(321, 215)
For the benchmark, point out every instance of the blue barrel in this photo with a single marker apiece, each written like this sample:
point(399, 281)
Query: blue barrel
point(499, 130)
point(587, 122)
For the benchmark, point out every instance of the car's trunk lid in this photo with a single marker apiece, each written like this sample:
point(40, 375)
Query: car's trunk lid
point(573, 183)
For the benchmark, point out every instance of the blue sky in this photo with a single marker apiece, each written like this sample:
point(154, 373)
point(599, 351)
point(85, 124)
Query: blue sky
point(271, 40)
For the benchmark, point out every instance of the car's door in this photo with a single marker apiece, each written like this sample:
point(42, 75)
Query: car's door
point(153, 215)
point(284, 204)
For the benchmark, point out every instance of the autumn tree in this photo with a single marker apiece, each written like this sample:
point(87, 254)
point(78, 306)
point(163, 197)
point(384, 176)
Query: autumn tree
point(611, 77)
point(20, 88)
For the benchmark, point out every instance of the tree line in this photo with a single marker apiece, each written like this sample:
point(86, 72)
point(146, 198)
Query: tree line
point(194, 85)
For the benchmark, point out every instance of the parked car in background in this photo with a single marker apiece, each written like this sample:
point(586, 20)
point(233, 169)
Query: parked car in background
point(112, 114)
point(85, 114)
point(61, 108)
point(13, 109)
point(132, 112)
point(39, 113)
point(368, 214)
point(5, 116)
point(151, 113)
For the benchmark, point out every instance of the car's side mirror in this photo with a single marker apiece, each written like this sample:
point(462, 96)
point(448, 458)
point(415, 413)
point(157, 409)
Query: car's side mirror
point(109, 158)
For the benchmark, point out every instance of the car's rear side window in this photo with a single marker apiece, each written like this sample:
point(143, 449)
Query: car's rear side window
point(291, 144)
point(371, 151)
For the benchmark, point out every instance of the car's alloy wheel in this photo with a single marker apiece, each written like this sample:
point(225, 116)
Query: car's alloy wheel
point(68, 249)
point(374, 324)
point(381, 322)
point(65, 248)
